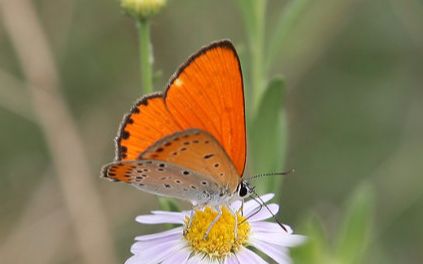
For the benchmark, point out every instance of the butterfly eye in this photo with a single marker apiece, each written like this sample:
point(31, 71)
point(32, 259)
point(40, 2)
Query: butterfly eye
point(243, 190)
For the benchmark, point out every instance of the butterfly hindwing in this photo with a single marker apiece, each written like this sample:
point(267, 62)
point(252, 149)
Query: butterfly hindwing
point(164, 179)
point(199, 151)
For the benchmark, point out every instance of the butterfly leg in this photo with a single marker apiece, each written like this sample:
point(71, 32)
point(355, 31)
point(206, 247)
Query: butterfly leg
point(235, 214)
point(190, 218)
point(188, 226)
point(219, 214)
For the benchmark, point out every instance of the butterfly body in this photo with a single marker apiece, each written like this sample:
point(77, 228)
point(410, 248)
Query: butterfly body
point(189, 142)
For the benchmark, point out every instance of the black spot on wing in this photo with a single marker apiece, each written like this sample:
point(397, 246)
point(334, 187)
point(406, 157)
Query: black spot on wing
point(208, 156)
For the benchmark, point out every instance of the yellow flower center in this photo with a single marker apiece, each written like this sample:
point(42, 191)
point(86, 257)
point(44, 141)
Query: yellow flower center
point(222, 239)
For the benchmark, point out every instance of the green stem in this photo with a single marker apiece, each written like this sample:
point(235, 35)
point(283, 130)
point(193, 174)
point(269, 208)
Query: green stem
point(146, 55)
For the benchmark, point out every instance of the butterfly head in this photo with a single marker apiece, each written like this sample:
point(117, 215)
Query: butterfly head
point(243, 190)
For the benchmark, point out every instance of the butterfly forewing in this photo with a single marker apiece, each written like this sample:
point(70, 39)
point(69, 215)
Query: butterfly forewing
point(166, 179)
point(206, 93)
point(148, 121)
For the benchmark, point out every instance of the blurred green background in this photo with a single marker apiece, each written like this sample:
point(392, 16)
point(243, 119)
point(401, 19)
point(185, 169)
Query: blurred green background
point(352, 123)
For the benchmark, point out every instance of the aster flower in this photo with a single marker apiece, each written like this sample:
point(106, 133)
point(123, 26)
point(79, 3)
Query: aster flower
point(188, 244)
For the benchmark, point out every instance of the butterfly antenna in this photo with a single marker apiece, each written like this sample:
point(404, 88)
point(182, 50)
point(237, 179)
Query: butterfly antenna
point(258, 199)
point(283, 173)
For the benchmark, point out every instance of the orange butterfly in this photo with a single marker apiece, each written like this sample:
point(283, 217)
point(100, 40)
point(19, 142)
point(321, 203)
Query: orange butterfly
point(188, 142)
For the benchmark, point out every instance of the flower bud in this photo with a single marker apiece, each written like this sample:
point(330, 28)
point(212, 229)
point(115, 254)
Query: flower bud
point(142, 9)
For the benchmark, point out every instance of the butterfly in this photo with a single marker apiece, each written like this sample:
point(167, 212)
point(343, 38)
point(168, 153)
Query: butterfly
point(188, 142)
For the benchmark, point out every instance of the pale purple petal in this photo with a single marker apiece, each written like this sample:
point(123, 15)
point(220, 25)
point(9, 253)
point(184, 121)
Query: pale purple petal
point(179, 257)
point(278, 238)
point(265, 227)
point(135, 260)
point(278, 253)
point(201, 259)
point(236, 205)
point(169, 213)
point(288, 229)
point(268, 227)
point(263, 213)
point(161, 217)
point(246, 256)
point(172, 231)
point(232, 259)
point(145, 246)
point(153, 243)
point(155, 254)
point(195, 259)
point(252, 205)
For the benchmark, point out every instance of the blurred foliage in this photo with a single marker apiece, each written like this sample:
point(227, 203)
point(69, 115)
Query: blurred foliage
point(347, 116)
point(352, 236)
point(270, 122)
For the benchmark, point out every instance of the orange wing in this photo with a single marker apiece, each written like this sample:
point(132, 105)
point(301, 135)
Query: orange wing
point(205, 93)
point(197, 150)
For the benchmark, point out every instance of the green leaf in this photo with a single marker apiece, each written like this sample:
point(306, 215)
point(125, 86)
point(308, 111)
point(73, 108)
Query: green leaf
point(168, 205)
point(247, 11)
point(316, 248)
point(288, 19)
point(268, 136)
point(355, 232)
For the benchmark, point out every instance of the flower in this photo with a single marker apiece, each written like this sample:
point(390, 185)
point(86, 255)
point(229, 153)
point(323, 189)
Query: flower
point(142, 9)
point(189, 243)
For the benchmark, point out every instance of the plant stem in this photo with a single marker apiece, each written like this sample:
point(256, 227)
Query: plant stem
point(146, 64)
point(146, 55)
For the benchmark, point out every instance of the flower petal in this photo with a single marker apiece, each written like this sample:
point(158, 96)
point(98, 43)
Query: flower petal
point(288, 229)
point(162, 217)
point(143, 246)
point(278, 253)
point(154, 255)
point(268, 227)
point(156, 252)
point(246, 256)
point(167, 233)
point(252, 205)
point(231, 259)
point(180, 256)
point(134, 260)
point(262, 226)
point(279, 238)
point(201, 259)
point(263, 213)
point(171, 213)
